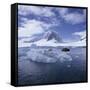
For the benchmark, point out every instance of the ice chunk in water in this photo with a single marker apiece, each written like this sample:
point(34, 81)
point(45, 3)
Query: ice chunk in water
point(48, 56)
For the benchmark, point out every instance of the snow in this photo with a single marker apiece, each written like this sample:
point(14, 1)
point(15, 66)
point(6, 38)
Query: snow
point(49, 35)
point(44, 42)
point(46, 56)
point(52, 39)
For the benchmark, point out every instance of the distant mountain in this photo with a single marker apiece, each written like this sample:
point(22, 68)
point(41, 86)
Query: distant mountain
point(51, 38)
point(32, 39)
point(48, 36)
point(83, 37)
point(52, 35)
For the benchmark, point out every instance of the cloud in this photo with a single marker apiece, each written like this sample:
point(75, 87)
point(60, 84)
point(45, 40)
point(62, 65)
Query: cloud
point(36, 10)
point(72, 17)
point(80, 33)
point(24, 19)
point(31, 27)
point(62, 11)
point(46, 15)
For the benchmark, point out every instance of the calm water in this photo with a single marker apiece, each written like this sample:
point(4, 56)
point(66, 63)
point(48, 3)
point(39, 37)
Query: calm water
point(30, 72)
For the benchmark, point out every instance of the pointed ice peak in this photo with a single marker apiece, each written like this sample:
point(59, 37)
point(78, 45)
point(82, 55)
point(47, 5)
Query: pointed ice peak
point(49, 35)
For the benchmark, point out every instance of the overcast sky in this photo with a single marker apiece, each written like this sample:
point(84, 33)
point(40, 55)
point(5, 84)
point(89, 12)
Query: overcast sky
point(70, 23)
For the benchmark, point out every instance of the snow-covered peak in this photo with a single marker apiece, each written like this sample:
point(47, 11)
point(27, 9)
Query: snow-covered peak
point(51, 38)
point(49, 35)
point(83, 37)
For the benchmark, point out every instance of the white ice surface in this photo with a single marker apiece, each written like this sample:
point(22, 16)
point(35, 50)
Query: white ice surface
point(44, 42)
point(45, 56)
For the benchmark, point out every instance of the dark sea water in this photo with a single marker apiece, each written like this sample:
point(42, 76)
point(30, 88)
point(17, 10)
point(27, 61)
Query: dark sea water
point(31, 72)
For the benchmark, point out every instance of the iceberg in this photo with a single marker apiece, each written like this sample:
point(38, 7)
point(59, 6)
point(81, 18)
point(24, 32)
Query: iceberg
point(45, 56)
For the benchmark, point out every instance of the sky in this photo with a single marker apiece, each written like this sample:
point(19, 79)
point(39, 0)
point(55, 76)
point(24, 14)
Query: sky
point(70, 23)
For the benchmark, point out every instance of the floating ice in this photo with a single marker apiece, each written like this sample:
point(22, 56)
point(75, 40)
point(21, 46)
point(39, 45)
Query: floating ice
point(46, 56)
